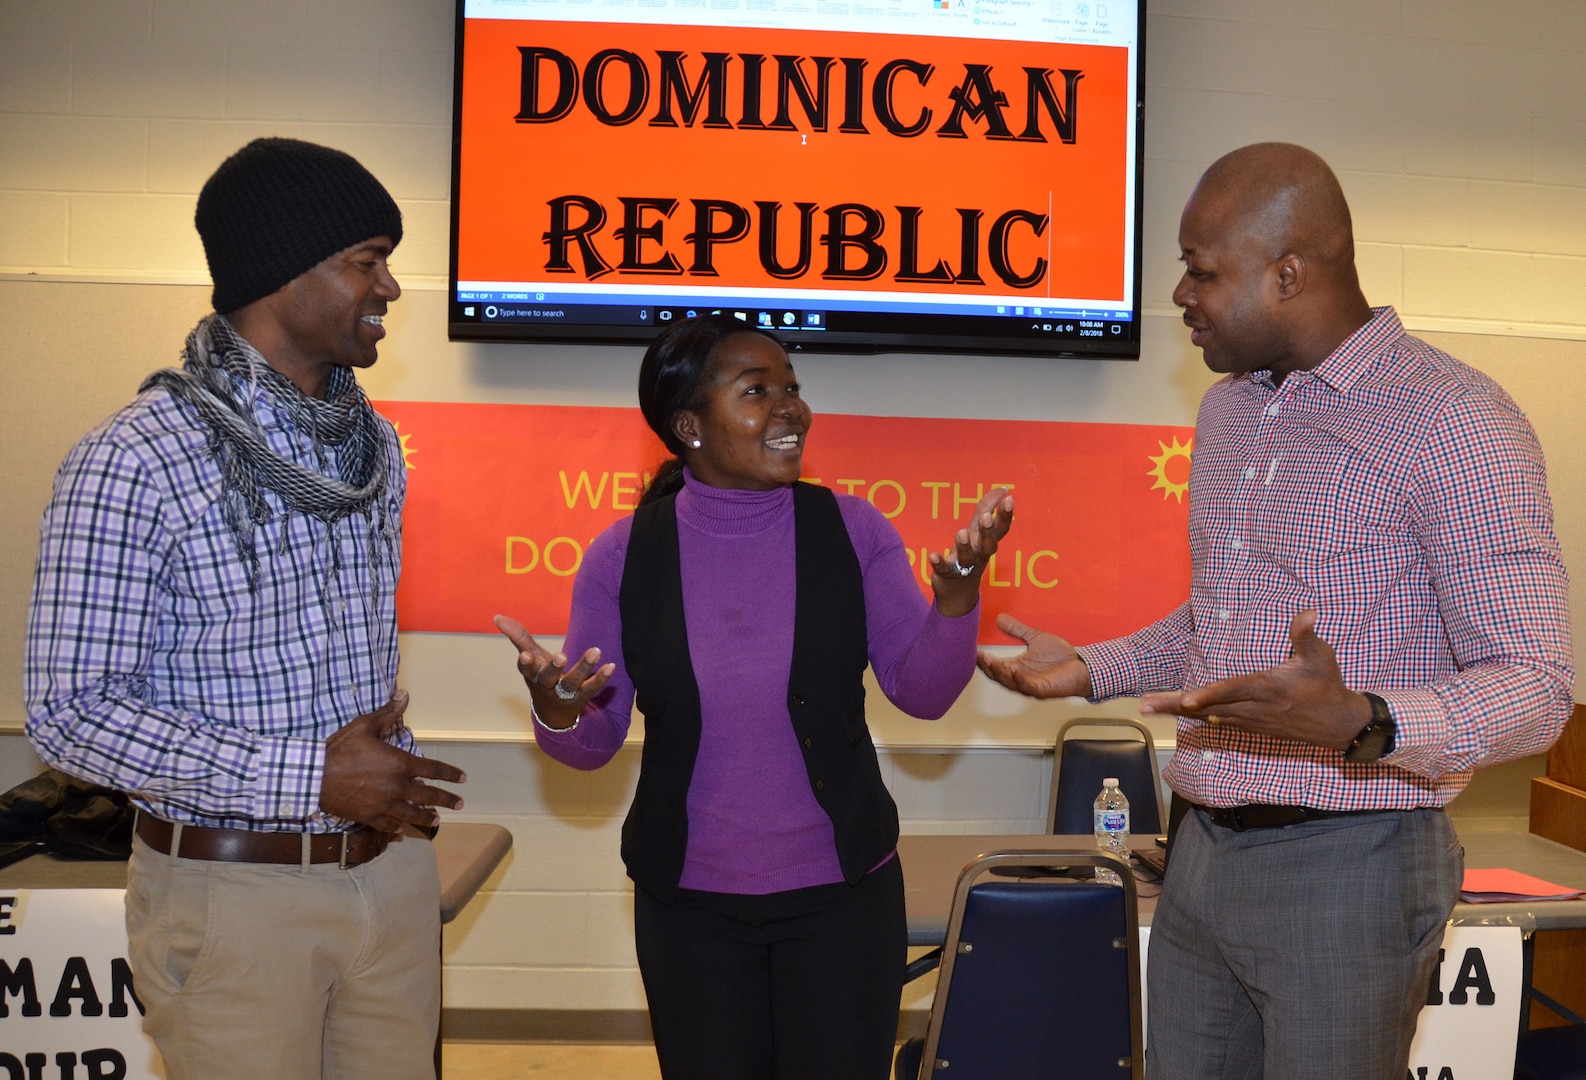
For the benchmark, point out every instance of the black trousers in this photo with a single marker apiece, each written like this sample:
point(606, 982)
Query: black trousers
point(798, 985)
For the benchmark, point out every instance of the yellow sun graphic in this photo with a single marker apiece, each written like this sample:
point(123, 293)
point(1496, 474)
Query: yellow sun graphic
point(407, 451)
point(1171, 487)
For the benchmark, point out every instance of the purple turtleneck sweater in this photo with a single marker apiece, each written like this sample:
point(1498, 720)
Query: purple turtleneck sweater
point(753, 823)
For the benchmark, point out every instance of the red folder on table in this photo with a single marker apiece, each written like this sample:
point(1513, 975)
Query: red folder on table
point(1500, 885)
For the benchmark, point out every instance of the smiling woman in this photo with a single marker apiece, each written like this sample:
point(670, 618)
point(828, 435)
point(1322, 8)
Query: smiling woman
point(723, 397)
point(741, 608)
point(748, 433)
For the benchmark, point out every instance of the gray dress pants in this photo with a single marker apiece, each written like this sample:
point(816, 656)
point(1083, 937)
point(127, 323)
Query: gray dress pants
point(1298, 953)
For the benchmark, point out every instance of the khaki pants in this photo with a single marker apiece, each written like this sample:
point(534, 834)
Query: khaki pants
point(285, 972)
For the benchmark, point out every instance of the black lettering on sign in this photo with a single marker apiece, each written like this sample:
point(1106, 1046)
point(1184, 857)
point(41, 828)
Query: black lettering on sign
point(121, 988)
point(19, 981)
point(13, 1067)
point(616, 89)
point(1472, 973)
point(102, 1064)
point(857, 240)
point(76, 983)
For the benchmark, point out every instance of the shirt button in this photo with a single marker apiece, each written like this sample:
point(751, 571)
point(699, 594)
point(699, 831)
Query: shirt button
point(796, 701)
point(1207, 755)
point(1222, 615)
point(1250, 472)
point(1239, 545)
point(808, 743)
point(820, 785)
point(1274, 409)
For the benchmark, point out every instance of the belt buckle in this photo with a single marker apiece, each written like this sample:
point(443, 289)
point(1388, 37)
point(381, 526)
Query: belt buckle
point(341, 862)
point(1226, 817)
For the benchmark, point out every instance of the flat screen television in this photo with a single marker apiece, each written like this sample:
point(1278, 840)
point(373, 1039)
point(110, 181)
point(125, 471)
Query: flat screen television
point(857, 175)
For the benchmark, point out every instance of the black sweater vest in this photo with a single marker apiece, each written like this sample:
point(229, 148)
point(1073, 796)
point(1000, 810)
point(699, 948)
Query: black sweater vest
point(826, 695)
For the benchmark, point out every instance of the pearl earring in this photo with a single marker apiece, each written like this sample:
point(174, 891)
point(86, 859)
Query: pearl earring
point(695, 444)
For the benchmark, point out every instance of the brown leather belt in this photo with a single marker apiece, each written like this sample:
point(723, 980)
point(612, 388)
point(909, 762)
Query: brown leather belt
point(346, 849)
point(1266, 816)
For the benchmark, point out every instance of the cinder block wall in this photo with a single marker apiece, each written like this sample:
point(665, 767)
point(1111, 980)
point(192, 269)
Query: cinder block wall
point(556, 931)
point(1457, 127)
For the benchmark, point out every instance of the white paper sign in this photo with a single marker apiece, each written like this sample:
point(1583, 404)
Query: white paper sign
point(1468, 1028)
point(67, 1010)
point(1472, 1016)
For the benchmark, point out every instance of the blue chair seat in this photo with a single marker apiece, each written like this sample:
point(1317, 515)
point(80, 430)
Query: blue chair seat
point(1555, 1053)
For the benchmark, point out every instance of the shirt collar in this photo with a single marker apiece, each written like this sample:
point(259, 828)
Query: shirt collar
point(1355, 355)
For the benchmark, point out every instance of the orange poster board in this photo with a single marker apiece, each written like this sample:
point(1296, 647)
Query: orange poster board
point(755, 158)
point(504, 499)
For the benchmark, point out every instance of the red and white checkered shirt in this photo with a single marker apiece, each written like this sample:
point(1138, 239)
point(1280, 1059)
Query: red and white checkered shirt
point(1403, 495)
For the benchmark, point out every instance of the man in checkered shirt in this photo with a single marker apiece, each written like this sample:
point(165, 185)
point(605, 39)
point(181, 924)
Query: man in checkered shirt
point(1378, 607)
point(213, 629)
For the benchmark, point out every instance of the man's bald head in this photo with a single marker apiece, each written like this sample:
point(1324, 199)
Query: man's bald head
point(1269, 256)
point(1286, 198)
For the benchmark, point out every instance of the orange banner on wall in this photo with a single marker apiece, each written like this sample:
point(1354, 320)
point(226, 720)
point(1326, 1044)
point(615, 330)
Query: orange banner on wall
point(754, 158)
point(504, 499)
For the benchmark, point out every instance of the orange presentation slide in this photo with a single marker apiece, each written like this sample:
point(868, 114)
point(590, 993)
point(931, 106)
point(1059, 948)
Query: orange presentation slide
point(756, 158)
point(504, 499)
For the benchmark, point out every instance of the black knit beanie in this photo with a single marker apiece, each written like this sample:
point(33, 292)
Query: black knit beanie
point(279, 207)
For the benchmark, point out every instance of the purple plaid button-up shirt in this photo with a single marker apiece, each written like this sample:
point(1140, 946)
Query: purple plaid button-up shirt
point(151, 666)
point(1403, 495)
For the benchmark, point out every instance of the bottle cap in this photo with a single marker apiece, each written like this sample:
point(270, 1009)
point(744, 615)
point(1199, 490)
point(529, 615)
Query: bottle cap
point(1111, 781)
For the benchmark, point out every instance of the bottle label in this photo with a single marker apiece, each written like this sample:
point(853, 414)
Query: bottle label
point(1112, 820)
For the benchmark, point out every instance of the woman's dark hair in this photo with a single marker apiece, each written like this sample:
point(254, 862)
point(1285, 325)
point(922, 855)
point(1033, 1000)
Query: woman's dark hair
point(674, 366)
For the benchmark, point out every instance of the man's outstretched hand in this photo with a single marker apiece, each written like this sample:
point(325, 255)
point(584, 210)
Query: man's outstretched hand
point(1049, 667)
point(1304, 698)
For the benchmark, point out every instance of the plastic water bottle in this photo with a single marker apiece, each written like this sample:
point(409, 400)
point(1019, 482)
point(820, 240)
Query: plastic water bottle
point(1111, 816)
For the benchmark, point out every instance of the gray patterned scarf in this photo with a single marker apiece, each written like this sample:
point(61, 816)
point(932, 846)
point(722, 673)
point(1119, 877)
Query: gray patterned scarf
point(220, 376)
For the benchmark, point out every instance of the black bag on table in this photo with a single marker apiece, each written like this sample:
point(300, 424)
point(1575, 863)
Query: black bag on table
point(65, 816)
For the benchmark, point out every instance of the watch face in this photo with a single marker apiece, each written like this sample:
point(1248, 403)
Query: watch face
point(1372, 742)
point(1376, 739)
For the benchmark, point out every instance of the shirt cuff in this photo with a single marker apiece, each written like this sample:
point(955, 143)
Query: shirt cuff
point(588, 744)
point(290, 773)
point(1420, 729)
point(957, 627)
point(1112, 669)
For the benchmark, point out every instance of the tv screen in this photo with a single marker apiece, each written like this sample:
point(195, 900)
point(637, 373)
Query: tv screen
point(856, 175)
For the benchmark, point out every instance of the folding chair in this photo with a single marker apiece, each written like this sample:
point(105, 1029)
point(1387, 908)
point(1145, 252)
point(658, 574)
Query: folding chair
point(1038, 977)
point(1555, 1053)
point(1550, 1053)
point(1079, 765)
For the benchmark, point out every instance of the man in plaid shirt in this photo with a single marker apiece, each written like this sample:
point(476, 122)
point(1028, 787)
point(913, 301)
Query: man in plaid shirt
point(213, 629)
point(1378, 607)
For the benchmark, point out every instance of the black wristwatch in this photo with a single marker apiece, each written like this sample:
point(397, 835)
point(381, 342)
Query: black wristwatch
point(1375, 740)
